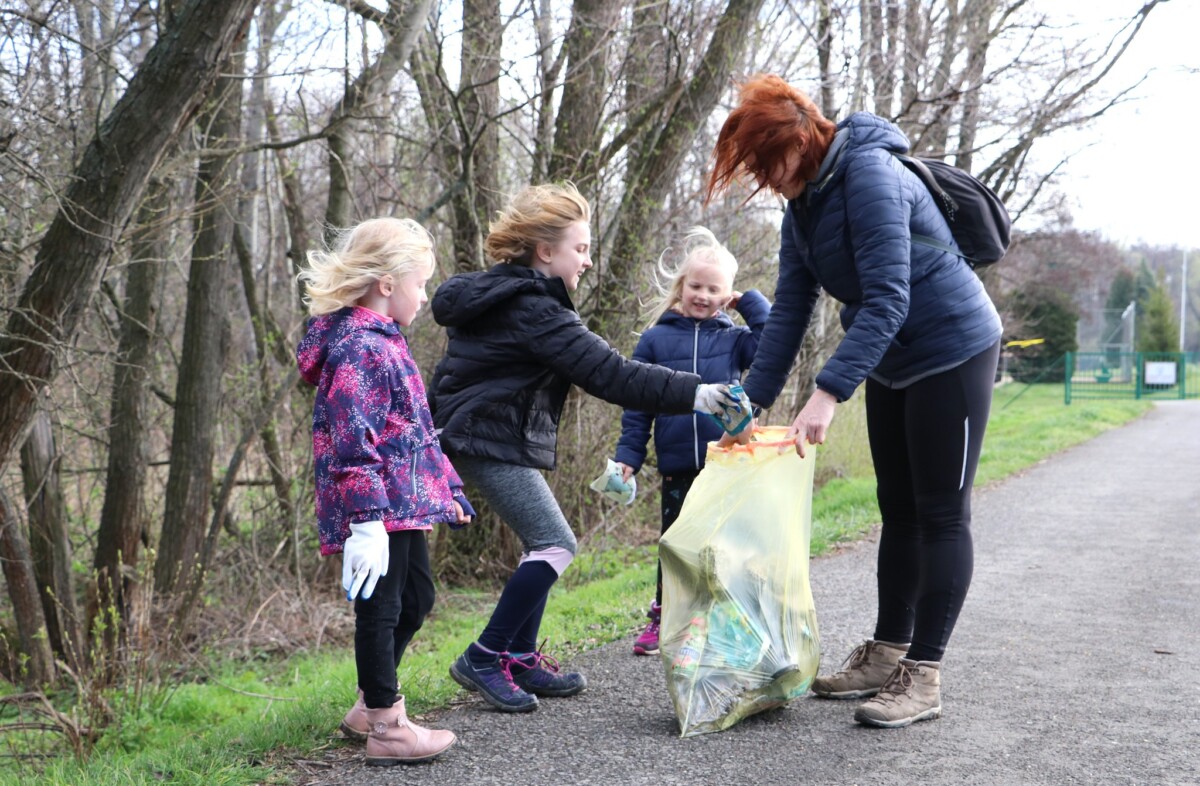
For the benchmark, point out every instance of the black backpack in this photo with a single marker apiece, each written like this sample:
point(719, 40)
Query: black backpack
point(977, 218)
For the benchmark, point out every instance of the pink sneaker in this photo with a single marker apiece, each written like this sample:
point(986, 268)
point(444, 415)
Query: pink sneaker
point(647, 643)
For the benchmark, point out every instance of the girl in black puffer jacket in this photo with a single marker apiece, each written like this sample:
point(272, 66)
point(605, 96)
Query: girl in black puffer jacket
point(516, 347)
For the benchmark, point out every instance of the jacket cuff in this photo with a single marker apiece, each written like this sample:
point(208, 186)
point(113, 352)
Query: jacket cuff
point(362, 516)
point(834, 387)
point(461, 499)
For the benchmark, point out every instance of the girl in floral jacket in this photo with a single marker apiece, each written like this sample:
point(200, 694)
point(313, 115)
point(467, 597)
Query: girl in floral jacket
point(382, 481)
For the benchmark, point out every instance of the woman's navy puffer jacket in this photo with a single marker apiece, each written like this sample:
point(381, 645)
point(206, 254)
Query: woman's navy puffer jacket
point(516, 347)
point(909, 310)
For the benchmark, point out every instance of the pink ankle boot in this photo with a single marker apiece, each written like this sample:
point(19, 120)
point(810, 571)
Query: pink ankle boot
point(355, 725)
point(395, 740)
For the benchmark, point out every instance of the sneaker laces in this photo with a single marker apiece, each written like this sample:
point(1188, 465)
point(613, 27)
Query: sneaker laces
point(506, 662)
point(537, 659)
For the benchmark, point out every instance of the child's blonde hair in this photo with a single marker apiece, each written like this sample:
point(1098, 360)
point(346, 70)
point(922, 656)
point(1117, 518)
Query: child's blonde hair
point(361, 256)
point(537, 214)
point(700, 247)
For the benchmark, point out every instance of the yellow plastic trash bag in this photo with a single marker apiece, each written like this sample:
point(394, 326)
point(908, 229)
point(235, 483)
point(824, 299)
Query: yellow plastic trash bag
point(739, 632)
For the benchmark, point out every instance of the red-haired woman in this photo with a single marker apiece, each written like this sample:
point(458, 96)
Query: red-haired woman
point(921, 333)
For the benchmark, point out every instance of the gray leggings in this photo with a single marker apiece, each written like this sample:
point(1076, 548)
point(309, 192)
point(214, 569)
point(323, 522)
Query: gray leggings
point(523, 499)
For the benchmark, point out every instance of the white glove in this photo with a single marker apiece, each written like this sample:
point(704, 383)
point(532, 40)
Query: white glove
point(364, 558)
point(714, 399)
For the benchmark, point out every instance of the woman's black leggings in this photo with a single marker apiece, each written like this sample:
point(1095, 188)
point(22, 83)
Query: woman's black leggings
point(925, 443)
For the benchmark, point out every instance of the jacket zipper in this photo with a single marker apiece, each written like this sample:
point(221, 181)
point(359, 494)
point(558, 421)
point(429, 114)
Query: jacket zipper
point(413, 475)
point(696, 370)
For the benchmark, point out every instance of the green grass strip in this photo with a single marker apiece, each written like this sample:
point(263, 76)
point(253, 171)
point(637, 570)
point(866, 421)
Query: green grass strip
point(224, 732)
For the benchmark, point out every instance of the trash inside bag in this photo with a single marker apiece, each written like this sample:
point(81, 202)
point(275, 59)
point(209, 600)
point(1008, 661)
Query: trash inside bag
point(613, 486)
point(739, 632)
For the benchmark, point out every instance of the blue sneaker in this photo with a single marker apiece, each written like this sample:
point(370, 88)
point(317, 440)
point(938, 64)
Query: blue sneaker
point(494, 682)
point(538, 674)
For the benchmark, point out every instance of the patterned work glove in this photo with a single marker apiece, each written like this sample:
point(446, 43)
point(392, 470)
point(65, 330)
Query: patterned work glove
point(714, 399)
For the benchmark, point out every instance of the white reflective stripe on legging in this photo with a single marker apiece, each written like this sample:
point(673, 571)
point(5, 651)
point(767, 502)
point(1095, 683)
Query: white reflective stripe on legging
point(555, 556)
point(966, 445)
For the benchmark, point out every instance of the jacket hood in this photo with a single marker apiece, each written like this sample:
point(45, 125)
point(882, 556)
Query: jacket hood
point(870, 131)
point(326, 331)
point(859, 131)
point(467, 296)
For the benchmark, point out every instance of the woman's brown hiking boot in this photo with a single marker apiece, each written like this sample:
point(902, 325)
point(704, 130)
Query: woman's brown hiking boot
point(863, 673)
point(912, 693)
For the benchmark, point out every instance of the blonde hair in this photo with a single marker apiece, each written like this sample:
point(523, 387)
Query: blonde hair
point(700, 247)
point(361, 256)
point(537, 214)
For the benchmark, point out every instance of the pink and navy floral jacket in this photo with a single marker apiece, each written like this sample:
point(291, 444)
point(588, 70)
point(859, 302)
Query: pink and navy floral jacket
point(376, 455)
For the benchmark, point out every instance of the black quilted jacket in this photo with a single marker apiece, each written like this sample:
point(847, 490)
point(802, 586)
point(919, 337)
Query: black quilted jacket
point(516, 347)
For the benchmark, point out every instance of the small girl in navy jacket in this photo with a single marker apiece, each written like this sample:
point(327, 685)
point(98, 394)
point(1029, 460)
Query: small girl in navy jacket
point(689, 333)
point(382, 481)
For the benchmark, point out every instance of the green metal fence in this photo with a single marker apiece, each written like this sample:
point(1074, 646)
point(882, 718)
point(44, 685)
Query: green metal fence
point(1154, 375)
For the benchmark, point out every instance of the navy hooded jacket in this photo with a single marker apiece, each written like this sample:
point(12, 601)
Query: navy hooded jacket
point(516, 347)
point(714, 348)
point(909, 310)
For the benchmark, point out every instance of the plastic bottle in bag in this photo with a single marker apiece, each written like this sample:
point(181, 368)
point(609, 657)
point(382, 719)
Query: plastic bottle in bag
point(734, 639)
point(687, 660)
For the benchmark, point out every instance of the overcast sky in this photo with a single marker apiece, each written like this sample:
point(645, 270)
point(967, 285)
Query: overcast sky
point(1139, 178)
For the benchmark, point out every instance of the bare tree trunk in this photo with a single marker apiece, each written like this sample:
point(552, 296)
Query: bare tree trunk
point(481, 42)
point(205, 344)
point(268, 404)
point(89, 88)
point(912, 57)
point(578, 134)
point(824, 53)
point(549, 66)
point(402, 29)
point(17, 562)
point(979, 38)
point(262, 344)
point(49, 542)
point(107, 185)
point(469, 152)
point(646, 67)
point(930, 131)
point(445, 115)
point(263, 326)
point(293, 206)
point(876, 38)
point(652, 176)
point(123, 522)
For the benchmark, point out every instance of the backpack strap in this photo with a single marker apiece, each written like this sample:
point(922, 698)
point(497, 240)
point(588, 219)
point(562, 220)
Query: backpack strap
point(946, 203)
point(925, 240)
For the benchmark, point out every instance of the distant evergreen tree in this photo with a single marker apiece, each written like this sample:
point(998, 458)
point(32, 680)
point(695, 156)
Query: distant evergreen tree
point(1159, 329)
point(1050, 315)
point(1145, 283)
point(1121, 293)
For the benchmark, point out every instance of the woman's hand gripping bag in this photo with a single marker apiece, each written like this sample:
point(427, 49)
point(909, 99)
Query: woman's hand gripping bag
point(739, 632)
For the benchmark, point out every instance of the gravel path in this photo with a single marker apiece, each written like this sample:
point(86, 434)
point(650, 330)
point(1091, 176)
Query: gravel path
point(1072, 662)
